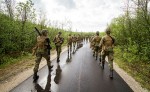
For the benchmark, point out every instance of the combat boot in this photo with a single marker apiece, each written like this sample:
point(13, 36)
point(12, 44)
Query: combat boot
point(111, 73)
point(35, 77)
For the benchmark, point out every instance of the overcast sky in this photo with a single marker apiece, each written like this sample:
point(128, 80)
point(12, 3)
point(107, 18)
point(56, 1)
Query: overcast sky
point(85, 15)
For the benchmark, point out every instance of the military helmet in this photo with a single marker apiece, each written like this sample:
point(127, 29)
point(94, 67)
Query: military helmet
point(44, 31)
point(108, 30)
point(97, 32)
point(59, 33)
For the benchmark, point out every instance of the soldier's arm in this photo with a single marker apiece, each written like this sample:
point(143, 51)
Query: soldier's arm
point(35, 47)
point(34, 50)
point(54, 40)
point(62, 40)
point(101, 42)
point(93, 40)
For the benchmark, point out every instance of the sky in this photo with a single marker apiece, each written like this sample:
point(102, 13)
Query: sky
point(81, 15)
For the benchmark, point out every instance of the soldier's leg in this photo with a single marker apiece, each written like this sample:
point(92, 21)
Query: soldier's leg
point(94, 51)
point(47, 57)
point(100, 56)
point(73, 47)
point(36, 67)
point(110, 62)
point(70, 50)
point(97, 48)
point(103, 54)
point(59, 51)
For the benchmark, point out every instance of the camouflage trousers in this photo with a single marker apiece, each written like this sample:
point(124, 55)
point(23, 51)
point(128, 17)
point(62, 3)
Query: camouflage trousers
point(58, 49)
point(69, 48)
point(74, 46)
point(39, 56)
point(110, 55)
point(95, 50)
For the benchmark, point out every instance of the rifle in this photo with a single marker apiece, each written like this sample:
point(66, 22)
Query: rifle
point(47, 40)
point(37, 31)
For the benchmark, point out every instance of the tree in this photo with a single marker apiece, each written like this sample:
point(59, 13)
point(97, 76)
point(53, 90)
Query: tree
point(42, 19)
point(25, 13)
point(10, 7)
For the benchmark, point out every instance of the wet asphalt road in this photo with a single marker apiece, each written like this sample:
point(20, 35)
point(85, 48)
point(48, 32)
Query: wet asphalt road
point(82, 74)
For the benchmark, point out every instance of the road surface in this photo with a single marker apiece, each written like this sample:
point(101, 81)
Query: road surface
point(82, 74)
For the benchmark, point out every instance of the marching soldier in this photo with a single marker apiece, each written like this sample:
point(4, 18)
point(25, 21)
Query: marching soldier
point(107, 45)
point(78, 40)
point(41, 50)
point(69, 41)
point(58, 40)
point(96, 41)
point(74, 40)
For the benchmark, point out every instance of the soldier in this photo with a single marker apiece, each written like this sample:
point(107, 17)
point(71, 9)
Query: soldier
point(78, 40)
point(96, 41)
point(58, 40)
point(41, 50)
point(74, 40)
point(86, 39)
point(107, 45)
point(69, 41)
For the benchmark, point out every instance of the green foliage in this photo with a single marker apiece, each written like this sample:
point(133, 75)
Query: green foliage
point(133, 39)
point(17, 36)
point(133, 42)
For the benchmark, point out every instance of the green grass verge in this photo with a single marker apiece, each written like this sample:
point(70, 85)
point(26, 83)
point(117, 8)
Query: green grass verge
point(140, 71)
point(8, 60)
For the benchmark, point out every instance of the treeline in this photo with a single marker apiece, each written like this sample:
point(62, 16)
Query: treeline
point(17, 35)
point(132, 32)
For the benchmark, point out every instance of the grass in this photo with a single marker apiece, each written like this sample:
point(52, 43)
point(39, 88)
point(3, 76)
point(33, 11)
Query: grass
point(140, 71)
point(10, 60)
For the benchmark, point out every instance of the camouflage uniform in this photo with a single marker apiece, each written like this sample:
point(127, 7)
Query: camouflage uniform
point(41, 51)
point(78, 40)
point(69, 41)
point(58, 40)
point(91, 42)
point(74, 40)
point(96, 42)
point(107, 44)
